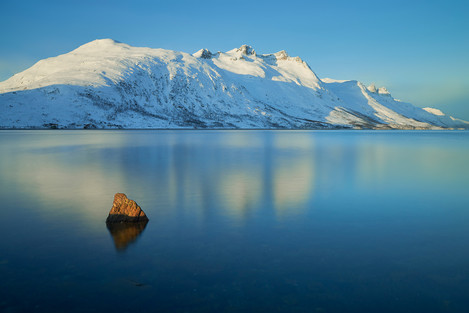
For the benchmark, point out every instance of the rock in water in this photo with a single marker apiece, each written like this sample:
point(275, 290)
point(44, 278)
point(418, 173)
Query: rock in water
point(125, 210)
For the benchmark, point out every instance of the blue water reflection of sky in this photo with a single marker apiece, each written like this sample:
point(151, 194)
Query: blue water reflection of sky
point(231, 174)
point(331, 220)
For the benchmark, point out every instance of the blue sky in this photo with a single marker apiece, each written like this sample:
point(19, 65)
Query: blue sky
point(419, 50)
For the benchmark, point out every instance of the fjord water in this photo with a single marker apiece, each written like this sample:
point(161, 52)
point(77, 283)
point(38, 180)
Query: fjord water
point(240, 221)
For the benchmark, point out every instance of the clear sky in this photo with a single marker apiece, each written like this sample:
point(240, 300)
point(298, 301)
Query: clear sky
point(418, 49)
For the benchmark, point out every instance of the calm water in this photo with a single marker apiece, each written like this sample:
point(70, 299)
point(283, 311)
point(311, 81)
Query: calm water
point(240, 221)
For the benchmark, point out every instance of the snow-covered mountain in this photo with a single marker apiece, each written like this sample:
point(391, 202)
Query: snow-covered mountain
point(107, 84)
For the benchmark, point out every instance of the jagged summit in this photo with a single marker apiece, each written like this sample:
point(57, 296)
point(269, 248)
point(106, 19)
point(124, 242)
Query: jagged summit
point(381, 90)
point(372, 88)
point(108, 84)
point(246, 50)
point(281, 55)
point(203, 53)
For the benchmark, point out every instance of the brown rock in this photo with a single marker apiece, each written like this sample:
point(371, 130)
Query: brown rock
point(125, 210)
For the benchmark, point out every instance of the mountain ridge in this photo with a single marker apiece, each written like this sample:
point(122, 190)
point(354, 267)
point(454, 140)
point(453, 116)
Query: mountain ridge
point(108, 84)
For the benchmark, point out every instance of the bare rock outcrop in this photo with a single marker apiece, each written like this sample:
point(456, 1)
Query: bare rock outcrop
point(125, 210)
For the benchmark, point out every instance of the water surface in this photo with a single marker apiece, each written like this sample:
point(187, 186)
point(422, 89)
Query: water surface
point(240, 221)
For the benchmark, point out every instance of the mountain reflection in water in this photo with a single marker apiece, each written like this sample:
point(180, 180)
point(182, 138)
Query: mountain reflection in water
point(241, 221)
point(232, 172)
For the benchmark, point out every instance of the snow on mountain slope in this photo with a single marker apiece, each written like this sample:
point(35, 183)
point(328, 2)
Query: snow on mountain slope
point(107, 84)
point(380, 108)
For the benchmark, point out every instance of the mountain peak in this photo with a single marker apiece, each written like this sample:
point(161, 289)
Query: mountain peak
point(372, 88)
point(111, 85)
point(203, 54)
point(281, 55)
point(381, 90)
point(101, 44)
point(246, 50)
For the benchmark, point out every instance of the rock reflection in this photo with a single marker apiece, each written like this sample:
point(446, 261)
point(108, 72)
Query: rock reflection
point(125, 234)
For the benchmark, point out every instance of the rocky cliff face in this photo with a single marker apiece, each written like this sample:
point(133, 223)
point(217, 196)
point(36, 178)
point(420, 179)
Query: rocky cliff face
point(107, 84)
